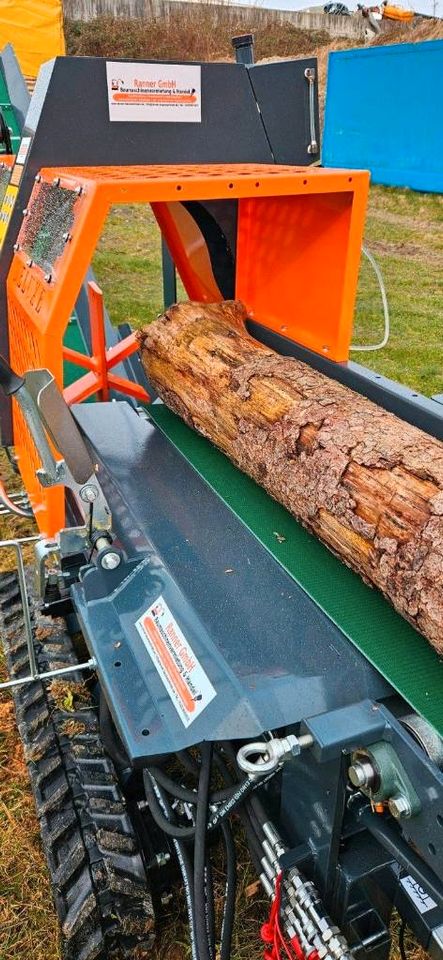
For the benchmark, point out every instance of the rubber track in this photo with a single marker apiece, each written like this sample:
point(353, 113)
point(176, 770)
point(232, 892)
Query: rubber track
point(98, 879)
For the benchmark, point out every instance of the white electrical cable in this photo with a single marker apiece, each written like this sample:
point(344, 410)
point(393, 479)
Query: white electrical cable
point(384, 300)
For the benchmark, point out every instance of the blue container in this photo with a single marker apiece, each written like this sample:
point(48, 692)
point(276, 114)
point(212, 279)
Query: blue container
point(384, 113)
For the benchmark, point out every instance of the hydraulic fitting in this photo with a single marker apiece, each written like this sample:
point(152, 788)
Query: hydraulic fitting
point(270, 754)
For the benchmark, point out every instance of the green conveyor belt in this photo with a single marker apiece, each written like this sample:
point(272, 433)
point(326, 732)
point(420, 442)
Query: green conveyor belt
point(403, 656)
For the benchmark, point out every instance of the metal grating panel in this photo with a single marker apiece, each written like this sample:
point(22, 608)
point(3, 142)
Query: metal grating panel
point(49, 220)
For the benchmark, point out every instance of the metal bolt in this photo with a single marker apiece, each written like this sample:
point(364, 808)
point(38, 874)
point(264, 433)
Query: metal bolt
point(66, 237)
point(361, 773)
point(56, 181)
point(89, 493)
point(79, 190)
point(16, 247)
point(165, 899)
point(38, 177)
point(399, 807)
point(25, 212)
point(29, 263)
point(48, 277)
point(111, 560)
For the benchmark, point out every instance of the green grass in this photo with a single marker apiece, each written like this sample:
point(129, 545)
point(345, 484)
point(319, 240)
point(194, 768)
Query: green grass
point(127, 263)
point(404, 232)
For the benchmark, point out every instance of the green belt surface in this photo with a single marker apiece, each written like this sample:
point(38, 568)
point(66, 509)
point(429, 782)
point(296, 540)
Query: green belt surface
point(401, 655)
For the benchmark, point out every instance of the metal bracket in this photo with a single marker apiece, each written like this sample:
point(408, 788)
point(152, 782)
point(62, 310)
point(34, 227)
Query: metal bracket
point(16, 546)
point(377, 771)
point(47, 412)
point(310, 75)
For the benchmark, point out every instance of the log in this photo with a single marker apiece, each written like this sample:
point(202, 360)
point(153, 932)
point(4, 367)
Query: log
point(369, 485)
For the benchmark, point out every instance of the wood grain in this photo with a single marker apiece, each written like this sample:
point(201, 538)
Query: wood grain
point(367, 484)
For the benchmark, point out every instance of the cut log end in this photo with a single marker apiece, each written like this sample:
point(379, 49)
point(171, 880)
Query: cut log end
point(367, 484)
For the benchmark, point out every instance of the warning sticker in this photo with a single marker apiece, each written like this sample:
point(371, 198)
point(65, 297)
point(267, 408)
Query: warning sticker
point(183, 676)
point(25, 143)
point(6, 210)
point(154, 92)
point(423, 901)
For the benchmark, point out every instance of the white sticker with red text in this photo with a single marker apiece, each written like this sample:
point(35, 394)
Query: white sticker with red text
point(147, 92)
point(189, 687)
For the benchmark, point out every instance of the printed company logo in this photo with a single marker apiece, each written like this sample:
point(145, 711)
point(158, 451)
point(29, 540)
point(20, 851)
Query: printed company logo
point(154, 92)
point(180, 671)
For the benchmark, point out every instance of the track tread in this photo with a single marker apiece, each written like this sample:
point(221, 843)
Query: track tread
point(98, 879)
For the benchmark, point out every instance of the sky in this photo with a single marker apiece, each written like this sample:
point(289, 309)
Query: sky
point(420, 6)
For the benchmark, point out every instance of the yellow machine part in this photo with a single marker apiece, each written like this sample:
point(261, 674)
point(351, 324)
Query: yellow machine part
point(35, 30)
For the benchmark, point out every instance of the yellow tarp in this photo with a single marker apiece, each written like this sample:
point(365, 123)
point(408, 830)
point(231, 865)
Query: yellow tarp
point(35, 30)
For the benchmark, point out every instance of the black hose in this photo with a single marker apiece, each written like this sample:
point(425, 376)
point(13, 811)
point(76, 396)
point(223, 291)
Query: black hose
point(209, 907)
point(185, 865)
point(186, 833)
point(401, 941)
point(110, 736)
point(230, 894)
point(184, 793)
point(251, 823)
point(260, 814)
point(172, 830)
point(201, 824)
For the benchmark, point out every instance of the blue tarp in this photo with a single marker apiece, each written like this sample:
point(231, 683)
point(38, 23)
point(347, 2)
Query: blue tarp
point(384, 113)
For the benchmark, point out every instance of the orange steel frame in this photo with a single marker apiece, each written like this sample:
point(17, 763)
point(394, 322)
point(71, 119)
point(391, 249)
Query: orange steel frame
point(297, 260)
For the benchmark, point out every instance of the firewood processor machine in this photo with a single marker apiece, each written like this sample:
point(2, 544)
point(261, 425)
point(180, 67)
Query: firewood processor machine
point(192, 669)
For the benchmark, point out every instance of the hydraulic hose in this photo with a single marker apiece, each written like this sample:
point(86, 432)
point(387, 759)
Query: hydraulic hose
point(230, 892)
point(242, 791)
point(110, 737)
point(201, 823)
point(185, 865)
point(209, 907)
point(184, 793)
point(253, 841)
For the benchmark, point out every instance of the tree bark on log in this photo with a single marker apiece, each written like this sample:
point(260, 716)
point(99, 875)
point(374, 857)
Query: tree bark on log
point(369, 485)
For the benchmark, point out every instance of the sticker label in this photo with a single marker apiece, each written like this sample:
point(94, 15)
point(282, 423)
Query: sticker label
point(6, 210)
point(25, 143)
point(189, 687)
point(418, 895)
point(150, 92)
